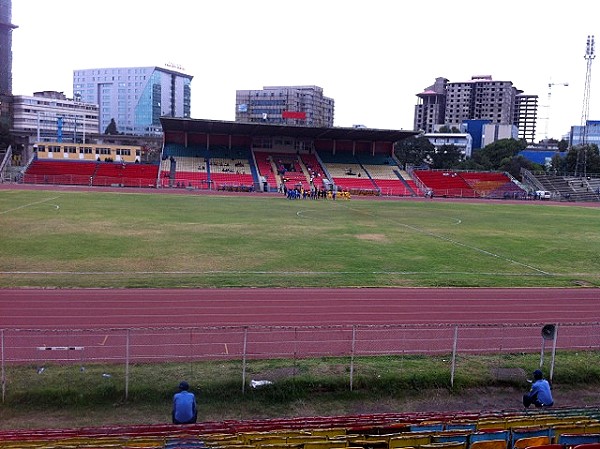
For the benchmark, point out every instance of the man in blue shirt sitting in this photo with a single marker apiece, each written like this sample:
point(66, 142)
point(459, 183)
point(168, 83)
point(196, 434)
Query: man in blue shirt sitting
point(540, 394)
point(184, 405)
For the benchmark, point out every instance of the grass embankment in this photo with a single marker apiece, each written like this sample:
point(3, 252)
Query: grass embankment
point(93, 239)
point(95, 394)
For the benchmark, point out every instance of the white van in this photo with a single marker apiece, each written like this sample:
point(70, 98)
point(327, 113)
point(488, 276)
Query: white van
point(543, 194)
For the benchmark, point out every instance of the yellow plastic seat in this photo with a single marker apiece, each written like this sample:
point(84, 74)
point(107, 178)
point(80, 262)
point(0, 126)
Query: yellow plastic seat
point(523, 443)
point(409, 440)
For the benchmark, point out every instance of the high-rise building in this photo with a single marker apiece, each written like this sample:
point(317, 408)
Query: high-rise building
point(134, 97)
point(585, 135)
point(481, 98)
point(6, 47)
point(526, 116)
point(289, 105)
point(431, 107)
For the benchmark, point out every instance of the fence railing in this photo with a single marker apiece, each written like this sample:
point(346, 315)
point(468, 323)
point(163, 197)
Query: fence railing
point(247, 344)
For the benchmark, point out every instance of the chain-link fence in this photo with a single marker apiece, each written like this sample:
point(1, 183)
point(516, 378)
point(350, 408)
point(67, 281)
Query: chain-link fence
point(342, 352)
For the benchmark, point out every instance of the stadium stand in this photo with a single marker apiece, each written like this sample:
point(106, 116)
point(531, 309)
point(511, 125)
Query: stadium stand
point(445, 183)
point(125, 175)
point(361, 172)
point(492, 184)
point(91, 173)
point(266, 168)
point(314, 169)
point(370, 431)
point(59, 172)
point(289, 169)
point(219, 168)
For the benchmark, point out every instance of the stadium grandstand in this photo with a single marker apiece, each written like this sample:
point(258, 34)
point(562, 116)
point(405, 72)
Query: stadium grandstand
point(543, 429)
point(257, 157)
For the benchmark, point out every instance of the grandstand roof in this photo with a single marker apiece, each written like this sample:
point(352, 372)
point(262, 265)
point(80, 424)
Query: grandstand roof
point(266, 129)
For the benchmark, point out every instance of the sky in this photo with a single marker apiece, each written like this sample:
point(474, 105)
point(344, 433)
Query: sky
point(372, 57)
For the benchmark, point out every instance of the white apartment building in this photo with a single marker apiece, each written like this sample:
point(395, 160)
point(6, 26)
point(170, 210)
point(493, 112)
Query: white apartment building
point(50, 116)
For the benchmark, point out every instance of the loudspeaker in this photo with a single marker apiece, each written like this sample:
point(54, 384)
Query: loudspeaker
point(548, 332)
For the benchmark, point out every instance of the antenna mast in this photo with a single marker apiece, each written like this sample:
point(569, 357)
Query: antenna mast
point(590, 54)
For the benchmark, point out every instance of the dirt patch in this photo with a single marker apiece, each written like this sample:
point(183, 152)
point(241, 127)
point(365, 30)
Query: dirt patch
point(372, 237)
point(509, 374)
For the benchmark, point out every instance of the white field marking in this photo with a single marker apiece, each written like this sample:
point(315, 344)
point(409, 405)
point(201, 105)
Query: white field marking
point(300, 213)
point(226, 349)
point(29, 205)
point(457, 243)
point(286, 273)
point(60, 348)
point(104, 341)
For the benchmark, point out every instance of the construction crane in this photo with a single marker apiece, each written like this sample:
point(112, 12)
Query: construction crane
point(550, 84)
point(581, 164)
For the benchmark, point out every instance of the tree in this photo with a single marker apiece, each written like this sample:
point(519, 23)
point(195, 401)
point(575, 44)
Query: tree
point(5, 137)
point(111, 128)
point(587, 154)
point(413, 150)
point(447, 129)
point(447, 156)
point(514, 164)
point(558, 164)
point(563, 145)
point(495, 155)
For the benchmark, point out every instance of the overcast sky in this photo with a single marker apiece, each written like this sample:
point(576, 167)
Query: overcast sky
point(371, 57)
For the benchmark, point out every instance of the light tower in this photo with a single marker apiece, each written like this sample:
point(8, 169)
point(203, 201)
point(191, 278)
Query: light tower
point(581, 165)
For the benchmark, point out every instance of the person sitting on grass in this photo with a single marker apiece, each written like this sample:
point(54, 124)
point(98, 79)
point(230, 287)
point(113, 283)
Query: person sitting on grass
point(184, 405)
point(540, 394)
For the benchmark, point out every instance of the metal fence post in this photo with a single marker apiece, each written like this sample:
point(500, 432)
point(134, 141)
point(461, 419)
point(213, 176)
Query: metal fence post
point(127, 365)
point(454, 346)
point(3, 373)
point(352, 357)
point(244, 360)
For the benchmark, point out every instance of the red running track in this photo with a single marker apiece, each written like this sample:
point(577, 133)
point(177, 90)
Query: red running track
point(99, 308)
point(95, 321)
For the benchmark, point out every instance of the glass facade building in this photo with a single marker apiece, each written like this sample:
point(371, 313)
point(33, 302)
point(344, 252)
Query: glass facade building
point(589, 134)
point(134, 97)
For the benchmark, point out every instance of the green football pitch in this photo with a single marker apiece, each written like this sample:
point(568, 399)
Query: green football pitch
point(104, 239)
